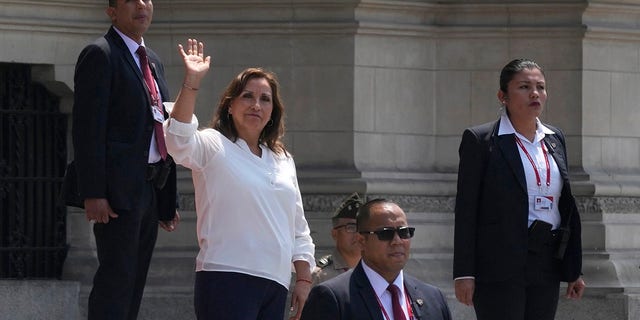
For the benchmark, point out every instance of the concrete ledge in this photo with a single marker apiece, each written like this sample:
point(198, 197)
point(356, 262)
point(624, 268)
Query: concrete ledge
point(39, 299)
point(596, 304)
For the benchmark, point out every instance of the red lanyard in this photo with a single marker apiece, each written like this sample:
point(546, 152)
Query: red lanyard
point(533, 164)
point(406, 300)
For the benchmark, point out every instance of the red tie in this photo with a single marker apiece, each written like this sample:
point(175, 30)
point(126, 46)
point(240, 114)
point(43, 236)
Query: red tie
point(155, 100)
point(398, 314)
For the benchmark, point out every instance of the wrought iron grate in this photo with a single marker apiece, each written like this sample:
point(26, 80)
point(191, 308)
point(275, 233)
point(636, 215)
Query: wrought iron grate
point(32, 163)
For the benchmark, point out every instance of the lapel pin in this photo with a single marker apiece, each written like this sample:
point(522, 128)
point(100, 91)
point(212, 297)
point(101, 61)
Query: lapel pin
point(553, 145)
point(420, 302)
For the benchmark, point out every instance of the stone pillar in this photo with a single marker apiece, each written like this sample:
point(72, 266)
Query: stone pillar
point(610, 149)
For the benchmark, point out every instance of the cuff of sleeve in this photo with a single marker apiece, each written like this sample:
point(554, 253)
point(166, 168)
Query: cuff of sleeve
point(464, 278)
point(181, 129)
point(308, 259)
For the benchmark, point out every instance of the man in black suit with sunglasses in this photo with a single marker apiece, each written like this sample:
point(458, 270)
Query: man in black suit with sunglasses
point(378, 288)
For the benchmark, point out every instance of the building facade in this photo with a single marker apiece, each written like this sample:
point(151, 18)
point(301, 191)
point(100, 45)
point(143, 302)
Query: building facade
point(377, 94)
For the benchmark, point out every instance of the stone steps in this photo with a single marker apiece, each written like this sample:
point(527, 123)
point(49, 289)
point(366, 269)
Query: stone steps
point(169, 290)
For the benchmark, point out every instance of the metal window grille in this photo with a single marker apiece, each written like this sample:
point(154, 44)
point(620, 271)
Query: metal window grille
point(32, 163)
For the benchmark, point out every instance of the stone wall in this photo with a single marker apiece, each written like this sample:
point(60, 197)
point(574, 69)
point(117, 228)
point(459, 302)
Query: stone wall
point(377, 94)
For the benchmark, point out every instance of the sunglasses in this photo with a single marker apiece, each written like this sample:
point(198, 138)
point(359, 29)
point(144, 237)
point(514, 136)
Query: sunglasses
point(387, 234)
point(348, 227)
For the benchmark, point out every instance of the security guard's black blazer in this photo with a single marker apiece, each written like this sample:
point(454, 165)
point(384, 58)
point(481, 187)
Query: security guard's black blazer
point(112, 126)
point(350, 296)
point(491, 213)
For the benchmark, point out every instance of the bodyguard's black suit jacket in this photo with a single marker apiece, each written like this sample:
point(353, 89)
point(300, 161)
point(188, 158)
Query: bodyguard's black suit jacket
point(350, 296)
point(491, 214)
point(112, 126)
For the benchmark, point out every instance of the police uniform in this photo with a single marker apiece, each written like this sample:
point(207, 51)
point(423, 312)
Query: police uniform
point(333, 264)
point(328, 267)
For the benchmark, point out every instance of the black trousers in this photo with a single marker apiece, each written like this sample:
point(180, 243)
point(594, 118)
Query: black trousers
point(238, 296)
point(534, 296)
point(124, 247)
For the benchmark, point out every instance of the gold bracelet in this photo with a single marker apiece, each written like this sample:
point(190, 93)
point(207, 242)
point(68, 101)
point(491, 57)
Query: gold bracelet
point(304, 280)
point(188, 87)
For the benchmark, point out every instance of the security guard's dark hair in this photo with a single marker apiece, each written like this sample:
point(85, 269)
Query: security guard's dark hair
point(514, 67)
point(364, 213)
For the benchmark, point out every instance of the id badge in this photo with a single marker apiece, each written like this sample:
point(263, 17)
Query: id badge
point(157, 114)
point(543, 203)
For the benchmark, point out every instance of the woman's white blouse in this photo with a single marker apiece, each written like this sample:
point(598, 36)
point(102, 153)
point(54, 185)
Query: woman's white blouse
point(249, 208)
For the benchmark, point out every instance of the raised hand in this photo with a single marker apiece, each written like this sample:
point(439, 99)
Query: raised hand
point(195, 63)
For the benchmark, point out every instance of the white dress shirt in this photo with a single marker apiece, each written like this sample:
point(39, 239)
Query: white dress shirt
point(249, 208)
point(535, 151)
point(154, 154)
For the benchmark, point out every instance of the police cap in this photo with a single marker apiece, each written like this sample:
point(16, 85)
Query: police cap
point(349, 207)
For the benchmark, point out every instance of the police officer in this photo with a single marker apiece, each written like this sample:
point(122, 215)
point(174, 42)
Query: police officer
point(346, 253)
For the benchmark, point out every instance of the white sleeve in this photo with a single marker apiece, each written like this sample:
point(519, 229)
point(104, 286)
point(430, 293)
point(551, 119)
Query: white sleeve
point(189, 146)
point(303, 249)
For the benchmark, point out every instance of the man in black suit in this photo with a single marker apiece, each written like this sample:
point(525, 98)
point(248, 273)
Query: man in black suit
point(367, 292)
point(126, 182)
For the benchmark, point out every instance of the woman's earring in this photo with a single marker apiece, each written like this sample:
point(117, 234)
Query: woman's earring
point(270, 123)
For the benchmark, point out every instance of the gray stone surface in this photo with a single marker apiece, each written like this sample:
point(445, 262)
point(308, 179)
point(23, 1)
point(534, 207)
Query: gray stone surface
point(377, 94)
point(39, 299)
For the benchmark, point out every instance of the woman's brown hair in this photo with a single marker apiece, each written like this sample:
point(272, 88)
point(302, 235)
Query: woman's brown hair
point(273, 132)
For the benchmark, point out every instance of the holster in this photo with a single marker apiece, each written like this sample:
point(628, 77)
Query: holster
point(539, 235)
point(70, 193)
point(564, 234)
point(161, 178)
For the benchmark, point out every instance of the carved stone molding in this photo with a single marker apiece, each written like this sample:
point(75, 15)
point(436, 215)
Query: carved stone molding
point(76, 17)
point(620, 205)
point(409, 203)
point(444, 204)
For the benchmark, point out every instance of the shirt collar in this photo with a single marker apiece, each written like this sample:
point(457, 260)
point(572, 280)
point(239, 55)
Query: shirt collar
point(378, 283)
point(132, 45)
point(338, 260)
point(506, 127)
point(244, 145)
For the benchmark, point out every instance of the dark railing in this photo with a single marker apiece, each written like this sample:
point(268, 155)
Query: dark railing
point(32, 162)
